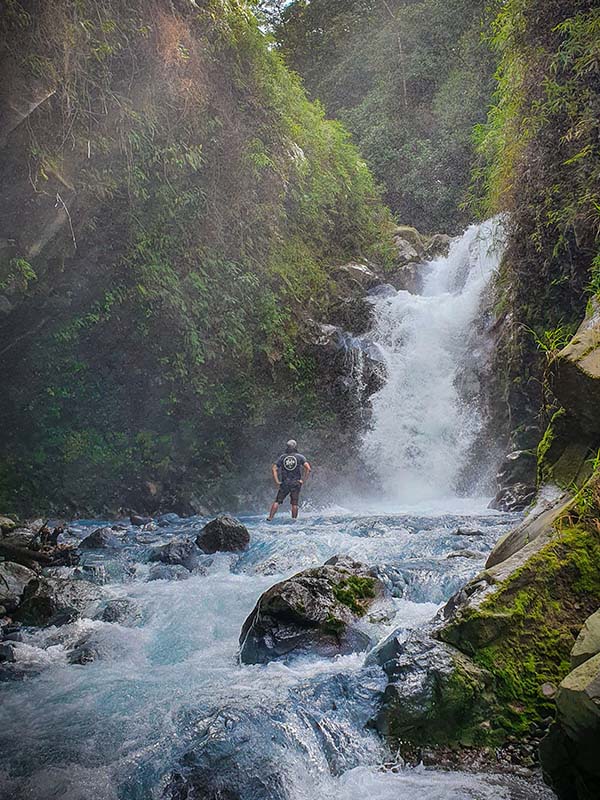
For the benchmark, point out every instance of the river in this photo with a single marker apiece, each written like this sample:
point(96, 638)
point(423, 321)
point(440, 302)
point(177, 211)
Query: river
point(167, 694)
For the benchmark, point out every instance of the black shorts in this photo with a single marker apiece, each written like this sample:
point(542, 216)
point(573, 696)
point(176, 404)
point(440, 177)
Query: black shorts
point(293, 489)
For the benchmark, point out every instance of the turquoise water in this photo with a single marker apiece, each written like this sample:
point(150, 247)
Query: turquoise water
point(166, 706)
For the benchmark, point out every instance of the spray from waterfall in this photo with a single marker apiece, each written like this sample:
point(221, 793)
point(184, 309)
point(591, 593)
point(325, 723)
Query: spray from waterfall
point(423, 429)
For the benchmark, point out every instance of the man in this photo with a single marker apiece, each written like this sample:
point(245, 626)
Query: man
point(290, 472)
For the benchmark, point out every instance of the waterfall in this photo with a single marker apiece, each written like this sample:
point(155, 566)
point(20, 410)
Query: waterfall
point(423, 427)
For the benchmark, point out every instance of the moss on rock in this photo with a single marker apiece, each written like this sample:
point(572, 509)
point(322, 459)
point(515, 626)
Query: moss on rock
point(524, 630)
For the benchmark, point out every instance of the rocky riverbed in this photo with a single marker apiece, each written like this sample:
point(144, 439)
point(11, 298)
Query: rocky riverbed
point(137, 689)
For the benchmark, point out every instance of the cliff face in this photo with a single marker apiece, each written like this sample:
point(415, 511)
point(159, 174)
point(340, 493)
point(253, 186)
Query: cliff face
point(173, 208)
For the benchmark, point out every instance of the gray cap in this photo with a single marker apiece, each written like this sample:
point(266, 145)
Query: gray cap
point(292, 443)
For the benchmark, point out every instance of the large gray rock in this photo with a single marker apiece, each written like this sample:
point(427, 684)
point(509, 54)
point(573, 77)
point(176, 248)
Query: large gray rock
point(435, 694)
point(13, 581)
point(575, 373)
point(361, 276)
point(537, 526)
point(223, 534)
point(569, 754)
point(516, 497)
point(54, 601)
point(587, 644)
point(315, 611)
point(180, 551)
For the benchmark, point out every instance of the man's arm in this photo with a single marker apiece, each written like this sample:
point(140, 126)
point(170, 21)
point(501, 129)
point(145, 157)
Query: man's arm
point(275, 474)
point(306, 471)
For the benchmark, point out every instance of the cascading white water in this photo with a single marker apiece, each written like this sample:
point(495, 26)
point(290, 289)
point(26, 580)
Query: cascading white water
point(422, 429)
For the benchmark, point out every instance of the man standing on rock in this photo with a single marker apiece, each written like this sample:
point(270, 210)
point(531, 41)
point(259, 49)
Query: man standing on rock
point(290, 471)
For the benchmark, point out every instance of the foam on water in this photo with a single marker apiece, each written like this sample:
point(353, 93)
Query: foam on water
point(167, 682)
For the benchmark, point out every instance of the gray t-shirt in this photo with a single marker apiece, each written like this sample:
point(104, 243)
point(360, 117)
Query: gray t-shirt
point(289, 467)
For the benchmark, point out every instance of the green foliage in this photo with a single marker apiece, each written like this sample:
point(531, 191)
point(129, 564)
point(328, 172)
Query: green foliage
point(352, 590)
point(409, 80)
point(209, 201)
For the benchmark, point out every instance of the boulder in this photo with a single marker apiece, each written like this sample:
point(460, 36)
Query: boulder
point(56, 601)
point(223, 534)
point(519, 466)
point(569, 754)
point(13, 581)
point(179, 551)
point(406, 233)
point(435, 695)
point(100, 539)
point(408, 277)
point(122, 610)
point(7, 652)
point(7, 524)
point(314, 612)
point(438, 246)
point(549, 508)
point(587, 644)
point(405, 252)
point(575, 373)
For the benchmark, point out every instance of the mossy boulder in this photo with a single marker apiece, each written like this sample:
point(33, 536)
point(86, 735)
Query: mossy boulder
point(563, 454)
point(587, 644)
point(569, 754)
point(519, 618)
point(575, 374)
point(435, 695)
point(313, 612)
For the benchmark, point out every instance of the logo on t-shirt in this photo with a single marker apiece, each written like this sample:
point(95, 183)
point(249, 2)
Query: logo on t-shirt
point(290, 463)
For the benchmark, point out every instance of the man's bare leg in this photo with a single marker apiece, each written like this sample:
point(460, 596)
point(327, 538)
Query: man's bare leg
point(294, 512)
point(273, 511)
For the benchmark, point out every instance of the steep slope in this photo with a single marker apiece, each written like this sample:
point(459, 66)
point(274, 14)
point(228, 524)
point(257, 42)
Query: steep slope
point(173, 207)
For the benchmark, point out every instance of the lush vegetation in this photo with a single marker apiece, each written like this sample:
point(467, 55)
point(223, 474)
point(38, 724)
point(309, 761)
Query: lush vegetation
point(174, 206)
point(409, 80)
point(540, 155)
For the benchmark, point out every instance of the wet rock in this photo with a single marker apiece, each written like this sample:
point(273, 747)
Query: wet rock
point(13, 581)
point(180, 551)
point(100, 539)
point(123, 611)
point(7, 652)
point(438, 246)
point(86, 651)
point(435, 695)
point(517, 467)
point(383, 290)
point(315, 612)
point(352, 314)
point(168, 572)
point(569, 753)
point(408, 277)
point(514, 498)
point(223, 534)
point(222, 766)
point(587, 644)
point(407, 233)
point(55, 601)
